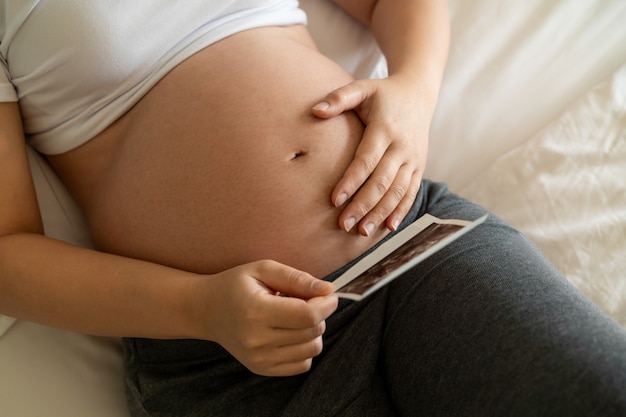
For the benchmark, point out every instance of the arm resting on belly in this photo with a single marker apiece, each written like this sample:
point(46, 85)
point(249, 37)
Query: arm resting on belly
point(388, 165)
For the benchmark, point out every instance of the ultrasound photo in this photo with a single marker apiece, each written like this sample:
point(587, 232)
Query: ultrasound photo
point(424, 237)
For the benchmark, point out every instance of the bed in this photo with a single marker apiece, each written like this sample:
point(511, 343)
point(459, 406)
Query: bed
point(531, 123)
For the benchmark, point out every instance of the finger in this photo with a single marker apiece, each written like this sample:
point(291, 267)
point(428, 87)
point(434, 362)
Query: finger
point(293, 313)
point(342, 99)
point(370, 193)
point(290, 281)
point(294, 359)
point(286, 337)
point(393, 197)
point(366, 159)
point(324, 306)
point(403, 208)
point(300, 351)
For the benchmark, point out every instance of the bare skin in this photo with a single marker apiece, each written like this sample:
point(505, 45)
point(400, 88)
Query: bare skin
point(257, 149)
point(222, 162)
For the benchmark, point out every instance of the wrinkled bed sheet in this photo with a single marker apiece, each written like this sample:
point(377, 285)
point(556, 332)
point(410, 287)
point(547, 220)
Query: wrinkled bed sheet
point(566, 189)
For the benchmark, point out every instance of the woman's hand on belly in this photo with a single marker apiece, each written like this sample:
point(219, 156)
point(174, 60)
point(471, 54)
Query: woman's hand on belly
point(388, 165)
point(222, 163)
point(270, 334)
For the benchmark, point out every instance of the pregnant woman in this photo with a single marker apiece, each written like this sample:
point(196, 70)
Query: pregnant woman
point(221, 161)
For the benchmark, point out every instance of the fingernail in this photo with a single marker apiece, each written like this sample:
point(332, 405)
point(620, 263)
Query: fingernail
point(394, 225)
point(349, 224)
point(369, 228)
point(321, 106)
point(341, 199)
point(319, 285)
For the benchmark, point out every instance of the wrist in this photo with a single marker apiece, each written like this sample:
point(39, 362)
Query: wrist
point(198, 307)
point(421, 86)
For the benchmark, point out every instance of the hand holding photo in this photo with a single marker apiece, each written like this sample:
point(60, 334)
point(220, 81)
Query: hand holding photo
point(409, 247)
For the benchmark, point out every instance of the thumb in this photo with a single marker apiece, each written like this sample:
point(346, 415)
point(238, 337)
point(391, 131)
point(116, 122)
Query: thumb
point(292, 282)
point(340, 100)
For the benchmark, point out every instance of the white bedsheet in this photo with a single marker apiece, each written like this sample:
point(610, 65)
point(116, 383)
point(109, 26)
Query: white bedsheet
point(531, 125)
point(566, 189)
point(513, 68)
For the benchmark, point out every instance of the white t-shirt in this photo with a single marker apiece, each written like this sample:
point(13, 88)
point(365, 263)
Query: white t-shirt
point(75, 66)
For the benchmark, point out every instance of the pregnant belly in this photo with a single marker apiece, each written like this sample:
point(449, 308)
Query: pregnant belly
point(222, 163)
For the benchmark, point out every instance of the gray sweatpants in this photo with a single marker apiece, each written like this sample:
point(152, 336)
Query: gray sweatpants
point(485, 327)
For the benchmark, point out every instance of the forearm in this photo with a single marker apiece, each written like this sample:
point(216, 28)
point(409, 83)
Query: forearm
point(54, 283)
point(414, 37)
point(412, 34)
